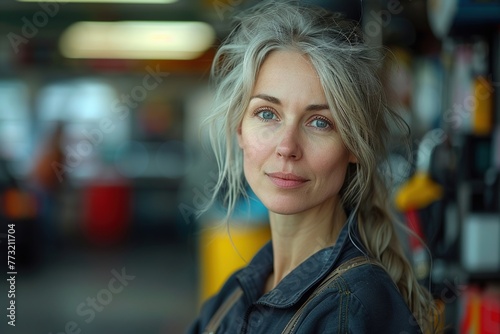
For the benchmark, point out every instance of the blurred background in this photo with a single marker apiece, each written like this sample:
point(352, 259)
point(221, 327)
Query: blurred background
point(103, 167)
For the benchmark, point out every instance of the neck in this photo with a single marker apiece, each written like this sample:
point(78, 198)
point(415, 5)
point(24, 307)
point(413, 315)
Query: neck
point(297, 237)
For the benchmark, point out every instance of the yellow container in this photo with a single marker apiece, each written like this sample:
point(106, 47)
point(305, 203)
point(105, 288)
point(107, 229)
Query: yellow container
point(219, 257)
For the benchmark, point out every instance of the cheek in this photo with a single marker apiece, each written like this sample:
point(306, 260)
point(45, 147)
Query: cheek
point(256, 141)
point(252, 158)
point(333, 166)
point(252, 152)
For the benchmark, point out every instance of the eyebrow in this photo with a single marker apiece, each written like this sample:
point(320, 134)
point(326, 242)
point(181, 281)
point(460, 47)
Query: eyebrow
point(272, 99)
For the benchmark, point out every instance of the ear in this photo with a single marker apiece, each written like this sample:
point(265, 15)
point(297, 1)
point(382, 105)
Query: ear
point(240, 139)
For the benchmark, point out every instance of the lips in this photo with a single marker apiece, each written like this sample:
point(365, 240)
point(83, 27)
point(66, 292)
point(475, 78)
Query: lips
point(286, 180)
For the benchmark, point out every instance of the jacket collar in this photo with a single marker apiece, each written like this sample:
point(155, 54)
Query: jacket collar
point(303, 278)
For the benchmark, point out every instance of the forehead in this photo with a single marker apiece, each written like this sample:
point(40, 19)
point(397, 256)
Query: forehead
point(286, 73)
point(291, 62)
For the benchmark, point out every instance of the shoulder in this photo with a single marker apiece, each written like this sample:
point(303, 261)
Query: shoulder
point(363, 300)
point(370, 284)
point(376, 304)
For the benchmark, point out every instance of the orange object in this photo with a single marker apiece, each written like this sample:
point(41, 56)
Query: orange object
point(471, 316)
point(19, 204)
point(482, 114)
point(418, 192)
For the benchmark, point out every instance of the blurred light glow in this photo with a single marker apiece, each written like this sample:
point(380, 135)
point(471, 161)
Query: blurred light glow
point(82, 100)
point(106, 1)
point(15, 135)
point(137, 40)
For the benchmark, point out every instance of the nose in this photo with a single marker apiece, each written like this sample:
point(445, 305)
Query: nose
point(289, 147)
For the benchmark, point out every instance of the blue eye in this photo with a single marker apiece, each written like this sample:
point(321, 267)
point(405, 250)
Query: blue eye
point(265, 114)
point(320, 123)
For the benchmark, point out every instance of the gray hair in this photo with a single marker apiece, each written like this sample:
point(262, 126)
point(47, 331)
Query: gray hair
point(348, 72)
point(345, 65)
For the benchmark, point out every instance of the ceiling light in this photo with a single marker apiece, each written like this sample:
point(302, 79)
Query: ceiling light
point(106, 1)
point(137, 40)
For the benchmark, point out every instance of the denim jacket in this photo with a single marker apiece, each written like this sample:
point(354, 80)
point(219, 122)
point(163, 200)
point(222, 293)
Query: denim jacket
point(362, 300)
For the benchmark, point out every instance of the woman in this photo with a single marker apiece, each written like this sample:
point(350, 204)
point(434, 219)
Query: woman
point(304, 116)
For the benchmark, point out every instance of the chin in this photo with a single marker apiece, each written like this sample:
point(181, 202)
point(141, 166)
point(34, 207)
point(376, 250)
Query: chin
point(288, 208)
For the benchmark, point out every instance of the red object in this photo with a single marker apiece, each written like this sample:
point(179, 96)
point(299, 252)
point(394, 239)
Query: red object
point(490, 312)
point(106, 212)
point(480, 311)
point(414, 225)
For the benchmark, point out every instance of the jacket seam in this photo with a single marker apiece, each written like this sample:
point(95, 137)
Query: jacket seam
point(344, 294)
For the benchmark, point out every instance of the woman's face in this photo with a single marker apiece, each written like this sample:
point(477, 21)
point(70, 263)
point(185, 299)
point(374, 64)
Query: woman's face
point(294, 158)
